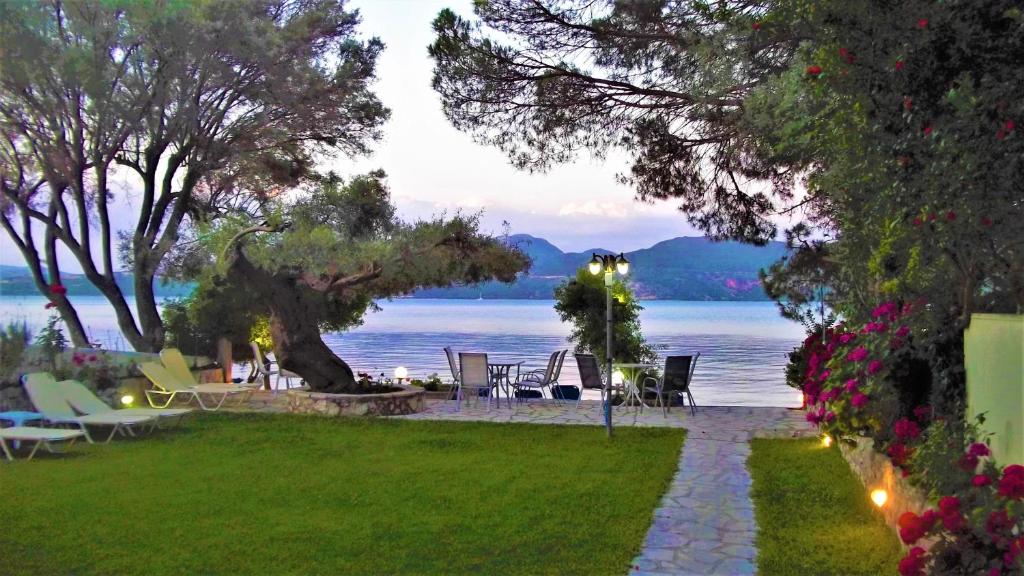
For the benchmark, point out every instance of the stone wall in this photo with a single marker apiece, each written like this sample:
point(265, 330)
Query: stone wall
point(876, 471)
point(407, 401)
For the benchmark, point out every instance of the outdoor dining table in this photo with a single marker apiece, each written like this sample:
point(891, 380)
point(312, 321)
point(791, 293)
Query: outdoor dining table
point(631, 371)
point(501, 374)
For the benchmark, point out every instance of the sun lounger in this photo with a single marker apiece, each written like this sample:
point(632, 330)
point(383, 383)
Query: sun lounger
point(46, 395)
point(178, 368)
point(83, 400)
point(41, 437)
point(168, 388)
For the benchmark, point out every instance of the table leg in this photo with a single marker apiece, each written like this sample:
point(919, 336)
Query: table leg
point(7, 451)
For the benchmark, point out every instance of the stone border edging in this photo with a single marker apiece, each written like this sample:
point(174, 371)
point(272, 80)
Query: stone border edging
point(410, 400)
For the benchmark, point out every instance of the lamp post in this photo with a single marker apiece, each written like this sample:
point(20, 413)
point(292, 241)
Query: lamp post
point(608, 264)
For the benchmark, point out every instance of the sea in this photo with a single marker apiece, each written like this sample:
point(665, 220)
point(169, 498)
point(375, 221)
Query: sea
point(742, 345)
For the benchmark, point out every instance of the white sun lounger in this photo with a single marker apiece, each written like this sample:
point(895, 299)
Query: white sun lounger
point(168, 388)
point(41, 437)
point(46, 395)
point(83, 400)
point(178, 368)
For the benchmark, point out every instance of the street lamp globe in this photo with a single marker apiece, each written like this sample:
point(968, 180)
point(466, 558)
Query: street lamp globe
point(595, 265)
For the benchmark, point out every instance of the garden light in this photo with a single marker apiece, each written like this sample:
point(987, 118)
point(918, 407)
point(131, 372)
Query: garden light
point(618, 377)
point(879, 496)
point(609, 264)
point(127, 400)
point(595, 265)
point(401, 373)
point(622, 265)
point(826, 440)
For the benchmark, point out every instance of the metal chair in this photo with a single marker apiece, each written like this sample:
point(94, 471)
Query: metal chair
point(454, 367)
point(475, 376)
point(539, 379)
point(674, 382)
point(590, 373)
point(262, 366)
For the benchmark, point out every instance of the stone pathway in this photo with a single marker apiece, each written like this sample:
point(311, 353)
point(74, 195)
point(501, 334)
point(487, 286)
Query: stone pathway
point(705, 521)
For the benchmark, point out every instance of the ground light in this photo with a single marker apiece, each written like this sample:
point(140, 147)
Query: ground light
point(879, 496)
point(127, 400)
point(826, 440)
point(401, 373)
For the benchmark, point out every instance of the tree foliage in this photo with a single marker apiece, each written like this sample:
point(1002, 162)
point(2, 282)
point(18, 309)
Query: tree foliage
point(321, 260)
point(203, 107)
point(582, 302)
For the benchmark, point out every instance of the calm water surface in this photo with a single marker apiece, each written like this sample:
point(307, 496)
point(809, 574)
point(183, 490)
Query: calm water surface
point(742, 345)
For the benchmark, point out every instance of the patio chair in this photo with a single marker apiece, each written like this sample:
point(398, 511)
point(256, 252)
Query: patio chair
point(561, 392)
point(264, 371)
point(83, 400)
point(46, 395)
point(590, 373)
point(41, 437)
point(474, 376)
point(674, 382)
point(167, 387)
point(177, 367)
point(453, 366)
point(537, 379)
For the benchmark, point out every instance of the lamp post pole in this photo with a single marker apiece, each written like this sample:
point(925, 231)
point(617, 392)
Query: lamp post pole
point(609, 264)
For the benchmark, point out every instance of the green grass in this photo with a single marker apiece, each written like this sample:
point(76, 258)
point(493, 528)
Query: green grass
point(813, 515)
point(261, 494)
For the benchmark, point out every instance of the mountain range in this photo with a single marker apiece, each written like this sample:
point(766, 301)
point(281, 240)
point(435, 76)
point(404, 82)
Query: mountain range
point(684, 268)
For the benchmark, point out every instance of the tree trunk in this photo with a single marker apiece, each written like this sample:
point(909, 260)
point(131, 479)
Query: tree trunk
point(295, 330)
point(150, 323)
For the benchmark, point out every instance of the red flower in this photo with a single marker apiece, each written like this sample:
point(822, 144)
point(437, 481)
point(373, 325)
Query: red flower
point(1009, 126)
point(978, 449)
point(851, 385)
point(999, 523)
point(756, 25)
point(949, 504)
point(78, 359)
point(923, 413)
point(908, 103)
point(813, 70)
point(980, 481)
point(918, 221)
point(931, 215)
point(1011, 485)
point(847, 55)
point(950, 216)
point(906, 429)
point(912, 527)
point(830, 416)
point(92, 358)
point(922, 23)
point(927, 130)
point(968, 462)
point(847, 337)
point(913, 563)
point(58, 289)
point(902, 331)
point(875, 367)
point(898, 65)
point(986, 221)
point(1000, 134)
point(50, 305)
point(859, 400)
point(899, 453)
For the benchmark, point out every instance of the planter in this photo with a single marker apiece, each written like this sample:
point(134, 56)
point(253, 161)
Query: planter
point(876, 471)
point(408, 400)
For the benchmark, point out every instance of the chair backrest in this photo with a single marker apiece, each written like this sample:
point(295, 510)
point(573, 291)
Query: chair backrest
point(81, 398)
point(162, 378)
point(590, 374)
point(549, 372)
point(46, 396)
point(678, 370)
point(558, 367)
point(257, 357)
point(451, 362)
point(176, 365)
point(474, 371)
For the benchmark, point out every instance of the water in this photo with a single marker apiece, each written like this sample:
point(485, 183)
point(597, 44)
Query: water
point(742, 345)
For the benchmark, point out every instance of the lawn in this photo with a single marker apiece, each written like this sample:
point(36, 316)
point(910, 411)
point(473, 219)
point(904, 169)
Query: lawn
point(813, 515)
point(264, 494)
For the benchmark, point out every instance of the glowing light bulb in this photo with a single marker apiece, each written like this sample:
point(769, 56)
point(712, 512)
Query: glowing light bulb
point(127, 400)
point(401, 373)
point(826, 440)
point(879, 497)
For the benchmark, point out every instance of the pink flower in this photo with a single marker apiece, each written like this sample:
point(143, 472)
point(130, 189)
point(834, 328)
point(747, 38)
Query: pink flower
point(950, 216)
point(980, 480)
point(906, 429)
point(913, 563)
point(851, 385)
point(1009, 126)
point(918, 221)
point(830, 416)
point(847, 337)
point(902, 331)
point(78, 359)
point(857, 354)
point(927, 130)
point(999, 522)
point(93, 358)
point(824, 375)
point(978, 449)
point(859, 400)
point(50, 305)
point(898, 65)
point(885, 309)
point(968, 462)
point(923, 413)
point(875, 367)
point(922, 23)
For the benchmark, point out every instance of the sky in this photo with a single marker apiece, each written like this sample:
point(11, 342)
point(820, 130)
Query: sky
point(433, 168)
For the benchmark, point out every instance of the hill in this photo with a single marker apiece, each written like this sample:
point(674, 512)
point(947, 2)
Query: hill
point(685, 268)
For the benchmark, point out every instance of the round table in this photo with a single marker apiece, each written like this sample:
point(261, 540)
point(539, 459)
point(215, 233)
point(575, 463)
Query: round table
point(19, 418)
point(634, 369)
